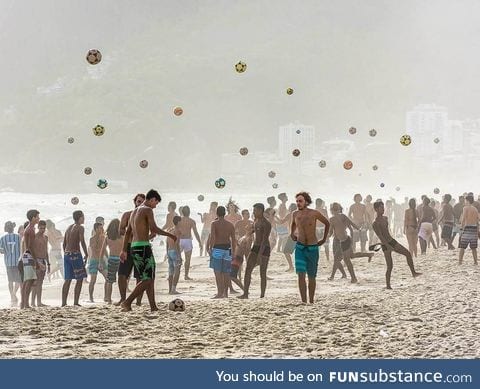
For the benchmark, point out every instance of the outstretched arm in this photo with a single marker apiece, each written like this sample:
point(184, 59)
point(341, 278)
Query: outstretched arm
point(154, 228)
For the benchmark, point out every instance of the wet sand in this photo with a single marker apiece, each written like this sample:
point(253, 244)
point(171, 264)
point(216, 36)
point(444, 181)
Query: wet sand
point(433, 316)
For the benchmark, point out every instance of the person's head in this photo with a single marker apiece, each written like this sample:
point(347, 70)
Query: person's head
point(379, 207)
point(245, 214)
point(78, 217)
point(42, 225)
point(423, 197)
point(470, 199)
point(368, 199)
point(426, 200)
point(292, 207)
point(432, 203)
point(113, 229)
point(319, 203)
point(152, 198)
point(50, 224)
point(336, 208)
point(271, 201)
point(232, 207)
point(100, 219)
point(357, 198)
point(461, 199)
point(221, 211)
point(186, 211)
point(98, 228)
point(33, 216)
point(9, 227)
point(283, 197)
point(258, 210)
point(303, 200)
point(138, 199)
point(172, 206)
point(412, 203)
point(213, 206)
point(176, 220)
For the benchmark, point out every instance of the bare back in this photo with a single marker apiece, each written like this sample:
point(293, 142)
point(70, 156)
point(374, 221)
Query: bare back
point(223, 233)
point(469, 216)
point(73, 236)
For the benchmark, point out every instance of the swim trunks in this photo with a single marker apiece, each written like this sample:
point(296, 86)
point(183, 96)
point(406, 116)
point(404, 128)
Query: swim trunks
point(469, 236)
point(41, 269)
point(447, 230)
point(339, 247)
point(74, 267)
point(174, 261)
point(13, 274)
point(186, 245)
point(426, 230)
point(125, 268)
point(112, 268)
point(143, 260)
point(29, 272)
point(221, 258)
point(93, 266)
point(306, 259)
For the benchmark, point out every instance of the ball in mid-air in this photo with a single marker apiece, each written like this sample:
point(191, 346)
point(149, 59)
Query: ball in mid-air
point(436, 140)
point(372, 132)
point(275, 186)
point(405, 140)
point(296, 152)
point(352, 130)
point(397, 189)
point(102, 183)
point(177, 111)
point(375, 167)
point(98, 130)
point(93, 56)
point(87, 170)
point(70, 140)
point(143, 163)
point(220, 183)
point(74, 200)
point(200, 198)
point(176, 305)
point(347, 165)
point(436, 191)
point(298, 132)
point(289, 91)
point(382, 185)
point(272, 174)
point(243, 151)
point(322, 164)
point(240, 67)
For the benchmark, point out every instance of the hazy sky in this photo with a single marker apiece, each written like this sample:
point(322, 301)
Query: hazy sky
point(362, 63)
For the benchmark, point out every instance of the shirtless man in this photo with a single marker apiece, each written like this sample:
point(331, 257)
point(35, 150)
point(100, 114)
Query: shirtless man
point(125, 268)
point(187, 225)
point(370, 216)
point(389, 245)
point(232, 212)
point(469, 235)
point(55, 239)
point(172, 206)
point(260, 252)
point(74, 264)
point(358, 214)
point(221, 244)
point(28, 263)
point(140, 228)
point(304, 221)
point(342, 243)
point(448, 220)
point(282, 228)
point(174, 256)
point(43, 263)
point(244, 236)
point(426, 219)
point(320, 207)
point(207, 220)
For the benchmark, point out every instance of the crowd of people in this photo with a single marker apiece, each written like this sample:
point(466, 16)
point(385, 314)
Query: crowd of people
point(235, 242)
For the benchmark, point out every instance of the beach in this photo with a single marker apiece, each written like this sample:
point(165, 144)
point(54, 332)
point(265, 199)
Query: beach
point(432, 316)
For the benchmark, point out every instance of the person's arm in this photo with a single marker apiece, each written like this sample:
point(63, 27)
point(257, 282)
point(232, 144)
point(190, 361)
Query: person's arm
point(201, 217)
point(195, 232)
point(154, 228)
point(81, 236)
point(64, 244)
point(122, 229)
point(352, 224)
point(2, 246)
point(293, 227)
point(350, 211)
point(266, 229)
point(233, 238)
point(462, 221)
point(330, 231)
point(48, 257)
point(211, 238)
point(322, 219)
point(379, 233)
point(103, 249)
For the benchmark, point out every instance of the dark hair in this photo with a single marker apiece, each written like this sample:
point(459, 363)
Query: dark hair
point(186, 211)
point(172, 204)
point(176, 220)
point(377, 204)
point(259, 206)
point(137, 196)
point(77, 215)
point(306, 196)
point(282, 195)
point(96, 225)
point(244, 211)
point(153, 194)
point(42, 223)
point(447, 197)
point(470, 199)
point(31, 214)
point(357, 195)
point(426, 200)
point(319, 201)
point(292, 207)
point(412, 203)
point(271, 199)
point(113, 229)
point(221, 211)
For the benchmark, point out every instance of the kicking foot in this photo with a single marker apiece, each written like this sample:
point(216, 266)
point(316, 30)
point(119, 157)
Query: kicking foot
point(126, 307)
point(243, 297)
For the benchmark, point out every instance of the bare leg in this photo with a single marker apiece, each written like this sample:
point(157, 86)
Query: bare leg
point(77, 291)
point(188, 256)
point(402, 250)
point(302, 286)
point(251, 262)
point(237, 282)
point(27, 287)
point(34, 293)
point(65, 289)
point(39, 290)
point(327, 253)
point(219, 282)
point(263, 276)
point(423, 245)
point(475, 259)
point(108, 292)
point(226, 284)
point(312, 284)
point(91, 286)
point(289, 261)
point(151, 296)
point(122, 288)
point(460, 256)
point(348, 262)
point(139, 289)
point(389, 261)
point(176, 277)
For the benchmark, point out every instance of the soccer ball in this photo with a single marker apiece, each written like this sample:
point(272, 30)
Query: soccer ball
point(352, 130)
point(74, 200)
point(296, 152)
point(322, 164)
point(382, 185)
point(102, 183)
point(289, 91)
point(436, 191)
point(436, 140)
point(143, 163)
point(176, 305)
point(375, 167)
point(70, 140)
point(397, 189)
point(405, 140)
point(200, 198)
point(177, 111)
point(243, 151)
point(94, 56)
point(240, 67)
point(87, 171)
point(372, 132)
point(220, 183)
point(298, 132)
point(272, 174)
point(347, 165)
point(98, 130)
point(275, 186)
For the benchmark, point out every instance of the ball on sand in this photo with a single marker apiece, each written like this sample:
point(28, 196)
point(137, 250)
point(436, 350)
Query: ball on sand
point(93, 56)
point(296, 152)
point(74, 200)
point(243, 151)
point(347, 165)
point(176, 305)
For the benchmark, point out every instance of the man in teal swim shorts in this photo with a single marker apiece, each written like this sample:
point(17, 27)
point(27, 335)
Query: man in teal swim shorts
point(306, 249)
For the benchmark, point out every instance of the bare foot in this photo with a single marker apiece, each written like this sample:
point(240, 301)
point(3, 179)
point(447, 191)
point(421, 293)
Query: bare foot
point(330, 278)
point(119, 303)
point(389, 287)
point(77, 305)
point(233, 291)
point(138, 303)
point(354, 281)
point(175, 292)
point(416, 274)
point(64, 305)
point(243, 296)
point(42, 305)
point(289, 270)
point(187, 278)
point(126, 307)
point(216, 297)
point(155, 308)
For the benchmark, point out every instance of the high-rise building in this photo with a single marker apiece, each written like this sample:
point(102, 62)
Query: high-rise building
point(296, 136)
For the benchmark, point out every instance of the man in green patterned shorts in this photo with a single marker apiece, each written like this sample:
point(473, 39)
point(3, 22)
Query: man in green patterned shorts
point(141, 228)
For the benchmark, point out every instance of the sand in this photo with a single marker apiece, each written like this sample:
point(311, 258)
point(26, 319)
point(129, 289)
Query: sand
point(433, 316)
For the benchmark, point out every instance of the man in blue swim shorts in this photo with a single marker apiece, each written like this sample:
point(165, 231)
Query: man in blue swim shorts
point(306, 249)
point(174, 257)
